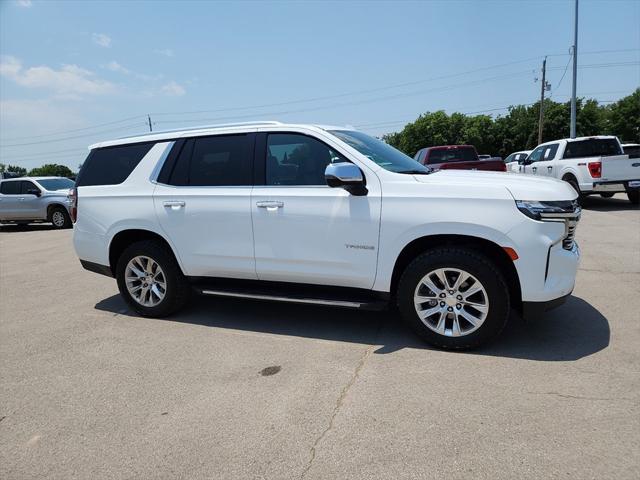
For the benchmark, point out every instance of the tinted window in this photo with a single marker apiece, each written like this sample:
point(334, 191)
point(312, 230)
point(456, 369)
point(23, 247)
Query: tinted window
point(26, 186)
point(56, 183)
point(111, 165)
point(223, 160)
point(379, 152)
point(521, 156)
point(633, 151)
point(550, 152)
point(442, 155)
point(294, 159)
point(593, 147)
point(10, 188)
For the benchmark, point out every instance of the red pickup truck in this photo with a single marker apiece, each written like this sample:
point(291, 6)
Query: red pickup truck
point(460, 157)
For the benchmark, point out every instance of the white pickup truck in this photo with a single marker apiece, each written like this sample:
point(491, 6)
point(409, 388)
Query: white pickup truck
point(592, 165)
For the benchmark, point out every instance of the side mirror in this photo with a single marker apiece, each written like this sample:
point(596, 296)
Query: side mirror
point(346, 175)
point(526, 161)
point(34, 191)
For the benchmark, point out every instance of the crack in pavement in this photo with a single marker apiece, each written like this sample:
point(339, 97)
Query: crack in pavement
point(338, 406)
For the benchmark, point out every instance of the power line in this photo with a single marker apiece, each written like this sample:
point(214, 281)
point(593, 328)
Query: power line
point(127, 127)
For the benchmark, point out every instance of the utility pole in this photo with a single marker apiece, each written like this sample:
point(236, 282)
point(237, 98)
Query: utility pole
point(149, 119)
point(542, 89)
point(575, 74)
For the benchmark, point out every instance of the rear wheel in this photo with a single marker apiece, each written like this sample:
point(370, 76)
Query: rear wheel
point(150, 279)
point(634, 196)
point(454, 298)
point(59, 217)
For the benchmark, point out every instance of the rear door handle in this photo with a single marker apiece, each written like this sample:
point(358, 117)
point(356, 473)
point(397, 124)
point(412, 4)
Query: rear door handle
point(534, 169)
point(270, 204)
point(174, 204)
point(549, 168)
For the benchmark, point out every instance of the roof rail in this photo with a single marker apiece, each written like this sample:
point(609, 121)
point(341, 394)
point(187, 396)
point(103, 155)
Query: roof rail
point(204, 127)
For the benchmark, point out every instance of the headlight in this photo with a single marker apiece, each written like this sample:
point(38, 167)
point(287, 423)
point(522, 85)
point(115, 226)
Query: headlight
point(550, 210)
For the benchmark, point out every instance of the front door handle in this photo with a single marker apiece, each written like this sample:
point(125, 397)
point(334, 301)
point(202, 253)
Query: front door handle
point(270, 205)
point(174, 204)
point(549, 168)
point(534, 169)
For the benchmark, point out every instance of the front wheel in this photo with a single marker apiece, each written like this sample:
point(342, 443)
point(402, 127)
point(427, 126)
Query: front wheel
point(454, 298)
point(150, 279)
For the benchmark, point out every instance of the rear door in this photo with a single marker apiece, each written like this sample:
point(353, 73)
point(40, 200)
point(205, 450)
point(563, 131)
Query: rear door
point(202, 201)
point(9, 199)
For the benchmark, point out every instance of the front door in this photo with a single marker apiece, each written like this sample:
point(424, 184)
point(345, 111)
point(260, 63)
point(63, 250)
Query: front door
point(304, 230)
point(204, 206)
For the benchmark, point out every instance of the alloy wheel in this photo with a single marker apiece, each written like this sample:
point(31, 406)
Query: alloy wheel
point(145, 281)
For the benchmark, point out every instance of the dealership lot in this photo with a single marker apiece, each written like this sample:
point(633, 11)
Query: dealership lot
point(89, 390)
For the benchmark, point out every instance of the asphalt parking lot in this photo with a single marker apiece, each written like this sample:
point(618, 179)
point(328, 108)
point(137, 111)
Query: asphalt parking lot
point(89, 390)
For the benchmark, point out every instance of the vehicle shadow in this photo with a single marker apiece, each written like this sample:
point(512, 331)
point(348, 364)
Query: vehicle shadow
point(31, 227)
point(570, 332)
point(599, 204)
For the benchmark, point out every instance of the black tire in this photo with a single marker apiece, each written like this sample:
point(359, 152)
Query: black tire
point(62, 219)
point(177, 287)
point(472, 262)
point(634, 196)
point(607, 195)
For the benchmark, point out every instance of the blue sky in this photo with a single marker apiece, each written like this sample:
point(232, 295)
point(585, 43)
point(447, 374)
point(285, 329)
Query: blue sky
point(73, 73)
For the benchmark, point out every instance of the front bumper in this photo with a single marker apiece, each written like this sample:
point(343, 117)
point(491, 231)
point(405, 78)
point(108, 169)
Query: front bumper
point(535, 310)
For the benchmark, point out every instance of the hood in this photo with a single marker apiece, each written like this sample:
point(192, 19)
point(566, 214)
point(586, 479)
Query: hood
point(521, 187)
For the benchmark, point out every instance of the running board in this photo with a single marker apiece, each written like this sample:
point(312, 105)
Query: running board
point(362, 302)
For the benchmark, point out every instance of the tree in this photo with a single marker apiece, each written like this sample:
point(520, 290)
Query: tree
point(622, 118)
point(51, 169)
point(21, 171)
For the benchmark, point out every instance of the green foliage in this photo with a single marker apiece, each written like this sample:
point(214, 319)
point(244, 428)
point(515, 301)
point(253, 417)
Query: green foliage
point(518, 129)
point(51, 169)
point(12, 168)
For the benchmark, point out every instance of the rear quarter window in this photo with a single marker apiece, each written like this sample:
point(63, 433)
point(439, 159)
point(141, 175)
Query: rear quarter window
point(10, 188)
point(111, 165)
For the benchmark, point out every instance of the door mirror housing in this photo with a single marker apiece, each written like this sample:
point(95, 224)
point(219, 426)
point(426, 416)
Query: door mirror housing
point(34, 191)
point(346, 175)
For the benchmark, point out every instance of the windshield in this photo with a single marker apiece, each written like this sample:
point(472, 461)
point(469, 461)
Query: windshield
point(383, 154)
point(56, 183)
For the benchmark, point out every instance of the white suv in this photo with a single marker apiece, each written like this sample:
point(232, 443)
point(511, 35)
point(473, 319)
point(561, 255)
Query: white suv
point(323, 215)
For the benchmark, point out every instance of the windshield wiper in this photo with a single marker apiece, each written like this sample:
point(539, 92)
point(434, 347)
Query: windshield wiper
point(416, 172)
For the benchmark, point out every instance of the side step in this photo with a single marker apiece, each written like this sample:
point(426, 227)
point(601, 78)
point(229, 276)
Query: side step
point(293, 293)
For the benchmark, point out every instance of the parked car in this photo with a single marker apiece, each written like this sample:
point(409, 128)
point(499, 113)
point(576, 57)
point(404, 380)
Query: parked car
point(631, 149)
point(459, 157)
point(4, 175)
point(35, 199)
point(591, 165)
point(326, 216)
point(515, 161)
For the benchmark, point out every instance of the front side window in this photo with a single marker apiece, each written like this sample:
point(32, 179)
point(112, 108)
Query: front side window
point(295, 159)
point(550, 152)
point(10, 188)
point(379, 152)
point(536, 155)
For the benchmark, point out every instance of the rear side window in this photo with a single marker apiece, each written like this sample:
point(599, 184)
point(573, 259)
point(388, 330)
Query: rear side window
point(111, 165)
point(221, 160)
point(10, 188)
point(593, 147)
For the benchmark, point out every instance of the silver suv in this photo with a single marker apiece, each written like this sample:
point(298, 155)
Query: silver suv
point(35, 199)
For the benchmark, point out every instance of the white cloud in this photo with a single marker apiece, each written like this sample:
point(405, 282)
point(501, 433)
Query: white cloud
point(24, 3)
point(116, 67)
point(167, 52)
point(69, 81)
point(101, 39)
point(173, 89)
